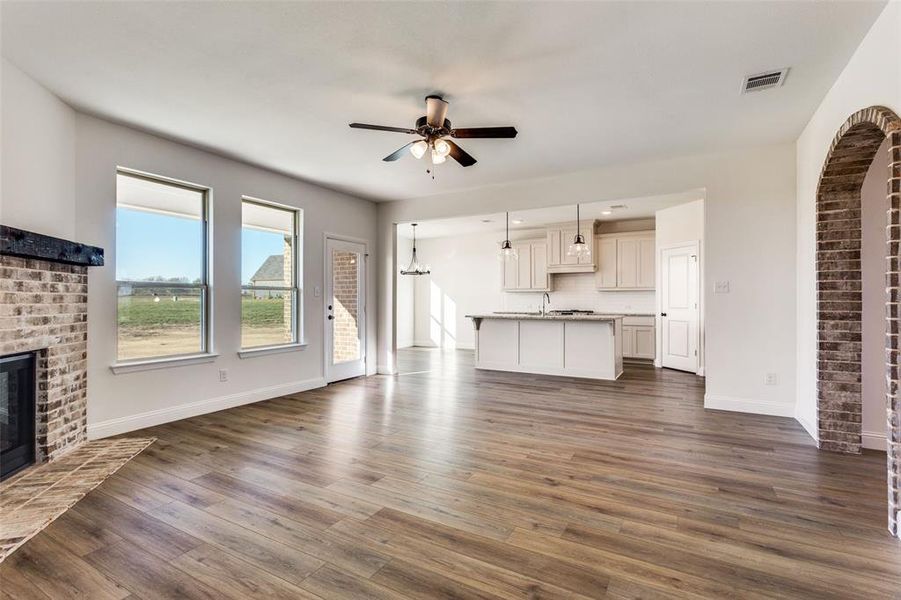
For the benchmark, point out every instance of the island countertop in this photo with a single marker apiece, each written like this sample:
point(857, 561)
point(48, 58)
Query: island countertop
point(515, 316)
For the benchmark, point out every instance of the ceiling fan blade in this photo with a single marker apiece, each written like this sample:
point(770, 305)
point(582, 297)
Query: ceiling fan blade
point(484, 132)
point(460, 155)
point(382, 128)
point(435, 110)
point(399, 152)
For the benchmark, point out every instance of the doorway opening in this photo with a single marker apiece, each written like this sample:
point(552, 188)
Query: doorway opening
point(840, 289)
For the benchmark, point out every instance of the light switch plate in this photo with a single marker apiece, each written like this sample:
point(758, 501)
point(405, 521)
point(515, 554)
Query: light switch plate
point(223, 375)
point(721, 287)
point(770, 379)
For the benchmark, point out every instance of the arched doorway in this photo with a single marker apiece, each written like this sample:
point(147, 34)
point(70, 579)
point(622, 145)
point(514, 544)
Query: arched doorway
point(839, 289)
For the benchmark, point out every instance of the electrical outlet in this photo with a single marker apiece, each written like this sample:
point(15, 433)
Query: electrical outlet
point(721, 287)
point(770, 379)
point(223, 374)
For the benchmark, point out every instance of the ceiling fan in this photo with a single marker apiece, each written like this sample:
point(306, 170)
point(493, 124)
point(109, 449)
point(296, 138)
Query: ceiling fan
point(434, 129)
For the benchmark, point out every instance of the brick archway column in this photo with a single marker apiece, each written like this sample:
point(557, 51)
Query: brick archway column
point(839, 289)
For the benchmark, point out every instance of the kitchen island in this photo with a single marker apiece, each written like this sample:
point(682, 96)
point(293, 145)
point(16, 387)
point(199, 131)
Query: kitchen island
point(577, 345)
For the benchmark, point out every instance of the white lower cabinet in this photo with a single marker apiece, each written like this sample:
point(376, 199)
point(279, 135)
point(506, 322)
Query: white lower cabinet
point(639, 337)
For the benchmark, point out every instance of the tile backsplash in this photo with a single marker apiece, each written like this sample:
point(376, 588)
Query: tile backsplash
point(577, 290)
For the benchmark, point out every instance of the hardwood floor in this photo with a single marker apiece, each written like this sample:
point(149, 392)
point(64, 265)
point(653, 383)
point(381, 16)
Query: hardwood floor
point(446, 482)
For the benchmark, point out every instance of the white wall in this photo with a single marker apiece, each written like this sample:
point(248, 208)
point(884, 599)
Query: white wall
point(872, 220)
point(126, 401)
point(38, 157)
point(465, 279)
point(872, 77)
point(750, 227)
point(405, 297)
point(673, 226)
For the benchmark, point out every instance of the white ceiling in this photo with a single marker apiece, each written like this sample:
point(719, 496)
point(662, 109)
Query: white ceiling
point(586, 84)
point(537, 218)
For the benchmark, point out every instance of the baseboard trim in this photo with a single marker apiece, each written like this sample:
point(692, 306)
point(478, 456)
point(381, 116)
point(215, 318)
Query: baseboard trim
point(808, 427)
point(746, 405)
point(201, 407)
point(874, 440)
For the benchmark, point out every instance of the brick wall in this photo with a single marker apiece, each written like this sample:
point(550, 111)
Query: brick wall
point(346, 337)
point(44, 310)
point(839, 289)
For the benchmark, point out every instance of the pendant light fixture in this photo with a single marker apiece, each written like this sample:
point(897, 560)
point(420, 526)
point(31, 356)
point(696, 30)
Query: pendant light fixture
point(507, 251)
point(579, 248)
point(414, 267)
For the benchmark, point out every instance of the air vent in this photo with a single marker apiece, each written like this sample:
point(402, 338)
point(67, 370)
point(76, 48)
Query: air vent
point(618, 206)
point(763, 81)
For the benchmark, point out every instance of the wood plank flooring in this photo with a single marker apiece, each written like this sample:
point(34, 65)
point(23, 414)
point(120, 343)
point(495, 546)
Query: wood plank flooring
point(446, 482)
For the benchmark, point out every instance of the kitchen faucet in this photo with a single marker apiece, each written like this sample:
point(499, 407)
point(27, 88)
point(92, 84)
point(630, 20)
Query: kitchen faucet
point(544, 297)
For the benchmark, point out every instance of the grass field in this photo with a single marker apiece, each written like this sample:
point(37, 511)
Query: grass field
point(148, 328)
point(142, 311)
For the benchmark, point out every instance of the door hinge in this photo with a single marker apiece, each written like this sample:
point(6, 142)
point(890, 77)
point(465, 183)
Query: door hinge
point(694, 257)
point(696, 352)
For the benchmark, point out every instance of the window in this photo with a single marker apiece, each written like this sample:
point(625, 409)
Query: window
point(270, 257)
point(161, 267)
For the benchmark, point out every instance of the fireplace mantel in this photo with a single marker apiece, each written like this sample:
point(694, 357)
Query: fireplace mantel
point(27, 244)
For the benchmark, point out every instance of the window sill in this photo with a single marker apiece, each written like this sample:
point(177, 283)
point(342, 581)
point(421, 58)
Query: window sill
point(162, 363)
point(266, 350)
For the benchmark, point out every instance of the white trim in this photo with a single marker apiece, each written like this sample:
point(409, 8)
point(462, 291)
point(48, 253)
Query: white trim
point(809, 427)
point(873, 440)
point(200, 407)
point(162, 363)
point(747, 405)
point(265, 350)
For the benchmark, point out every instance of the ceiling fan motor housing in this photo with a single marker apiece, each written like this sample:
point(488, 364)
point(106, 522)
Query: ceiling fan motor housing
point(426, 130)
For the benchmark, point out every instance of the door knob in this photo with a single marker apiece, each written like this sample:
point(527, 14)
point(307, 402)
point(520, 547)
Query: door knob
point(330, 317)
point(662, 314)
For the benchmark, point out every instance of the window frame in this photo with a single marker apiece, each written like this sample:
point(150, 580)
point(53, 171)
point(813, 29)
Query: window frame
point(205, 286)
point(296, 273)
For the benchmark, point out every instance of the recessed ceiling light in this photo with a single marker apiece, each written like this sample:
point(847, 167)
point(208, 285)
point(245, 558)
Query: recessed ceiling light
point(606, 212)
point(518, 221)
point(487, 221)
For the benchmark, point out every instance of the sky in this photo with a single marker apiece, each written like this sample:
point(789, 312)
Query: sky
point(152, 245)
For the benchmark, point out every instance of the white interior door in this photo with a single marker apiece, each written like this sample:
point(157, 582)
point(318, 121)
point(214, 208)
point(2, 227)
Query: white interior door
point(345, 310)
point(679, 313)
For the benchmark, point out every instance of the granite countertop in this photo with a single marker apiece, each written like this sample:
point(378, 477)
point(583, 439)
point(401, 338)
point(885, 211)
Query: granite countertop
point(539, 317)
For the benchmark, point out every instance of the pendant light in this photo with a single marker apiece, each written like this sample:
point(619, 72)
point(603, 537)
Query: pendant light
point(507, 251)
point(414, 267)
point(578, 248)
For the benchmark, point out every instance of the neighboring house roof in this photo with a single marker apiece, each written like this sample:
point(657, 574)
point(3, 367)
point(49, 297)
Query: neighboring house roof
point(272, 269)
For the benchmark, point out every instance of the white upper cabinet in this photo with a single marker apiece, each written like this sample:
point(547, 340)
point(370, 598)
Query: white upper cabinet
point(558, 241)
point(528, 273)
point(626, 261)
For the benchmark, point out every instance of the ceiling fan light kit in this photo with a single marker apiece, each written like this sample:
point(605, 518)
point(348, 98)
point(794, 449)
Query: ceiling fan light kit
point(434, 129)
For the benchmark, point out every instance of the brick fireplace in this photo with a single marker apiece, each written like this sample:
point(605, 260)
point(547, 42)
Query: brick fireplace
point(43, 312)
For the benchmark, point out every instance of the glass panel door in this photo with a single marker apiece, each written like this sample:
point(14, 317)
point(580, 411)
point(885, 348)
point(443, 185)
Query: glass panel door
point(345, 310)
